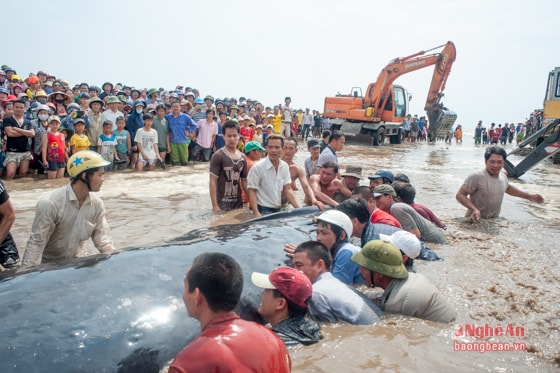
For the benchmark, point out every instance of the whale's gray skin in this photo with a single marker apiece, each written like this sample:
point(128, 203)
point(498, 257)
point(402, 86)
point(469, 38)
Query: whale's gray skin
point(125, 313)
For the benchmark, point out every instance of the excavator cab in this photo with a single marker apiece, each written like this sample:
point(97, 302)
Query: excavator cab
point(552, 98)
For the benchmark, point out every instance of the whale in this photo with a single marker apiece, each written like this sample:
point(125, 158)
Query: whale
point(124, 312)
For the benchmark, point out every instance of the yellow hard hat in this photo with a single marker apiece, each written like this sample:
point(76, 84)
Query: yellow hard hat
point(84, 160)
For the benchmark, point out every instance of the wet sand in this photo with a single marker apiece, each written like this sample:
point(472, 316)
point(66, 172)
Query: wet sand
point(496, 272)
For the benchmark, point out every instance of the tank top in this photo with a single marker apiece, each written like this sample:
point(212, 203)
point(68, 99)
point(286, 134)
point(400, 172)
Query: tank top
point(55, 147)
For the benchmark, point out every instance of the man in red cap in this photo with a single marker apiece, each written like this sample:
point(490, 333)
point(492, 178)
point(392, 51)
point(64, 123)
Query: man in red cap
point(284, 305)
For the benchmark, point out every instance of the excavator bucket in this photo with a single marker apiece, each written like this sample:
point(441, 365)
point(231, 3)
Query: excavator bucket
point(440, 122)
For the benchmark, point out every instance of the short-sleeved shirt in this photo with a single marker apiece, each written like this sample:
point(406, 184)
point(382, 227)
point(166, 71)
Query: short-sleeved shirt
point(310, 167)
point(229, 174)
point(230, 344)
point(379, 216)
point(332, 301)
point(416, 296)
point(410, 219)
point(177, 126)
point(107, 144)
point(486, 193)
point(162, 128)
point(344, 268)
point(327, 155)
point(205, 133)
point(19, 144)
point(268, 182)
point(80, 142)
point(147, 139)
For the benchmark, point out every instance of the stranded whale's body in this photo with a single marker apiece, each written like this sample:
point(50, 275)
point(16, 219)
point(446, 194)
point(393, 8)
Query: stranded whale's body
point(125, 312)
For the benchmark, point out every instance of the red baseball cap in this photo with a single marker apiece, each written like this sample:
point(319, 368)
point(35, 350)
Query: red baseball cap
point(291, 283)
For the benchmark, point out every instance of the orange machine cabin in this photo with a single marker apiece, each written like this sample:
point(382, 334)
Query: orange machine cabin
point(352, 108)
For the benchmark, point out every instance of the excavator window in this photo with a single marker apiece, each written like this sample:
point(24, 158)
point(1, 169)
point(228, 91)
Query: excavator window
point(400, 102)
point(557, 84)
point(388, 104)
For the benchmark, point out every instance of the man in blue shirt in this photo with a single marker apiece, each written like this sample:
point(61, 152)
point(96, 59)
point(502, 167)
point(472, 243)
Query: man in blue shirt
point(179, 128)
point(331, 300)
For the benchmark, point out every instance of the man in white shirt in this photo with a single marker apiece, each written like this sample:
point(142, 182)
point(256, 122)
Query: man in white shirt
point(112, 112)
point(268, 179)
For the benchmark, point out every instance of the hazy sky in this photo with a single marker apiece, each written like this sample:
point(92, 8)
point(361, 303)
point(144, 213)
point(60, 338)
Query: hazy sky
point(267, 50)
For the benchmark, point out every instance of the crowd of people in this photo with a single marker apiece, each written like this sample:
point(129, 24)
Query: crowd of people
point(247, 167)
point(500, 134)
point(45, 121)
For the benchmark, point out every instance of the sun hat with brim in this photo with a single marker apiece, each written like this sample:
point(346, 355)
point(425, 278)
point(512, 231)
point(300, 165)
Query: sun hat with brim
point(405, 241)
point(112, 100)
point(94, 100)
point(381, 257)
point(353, 171)
point(151, 91)
point(52, 95)
point(291, 283)
point(253, 145)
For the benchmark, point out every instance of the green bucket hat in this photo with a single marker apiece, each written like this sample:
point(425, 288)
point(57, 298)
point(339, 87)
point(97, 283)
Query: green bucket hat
point(151, 91)
point(381, 257)
point(94, 100)
point(112, 100)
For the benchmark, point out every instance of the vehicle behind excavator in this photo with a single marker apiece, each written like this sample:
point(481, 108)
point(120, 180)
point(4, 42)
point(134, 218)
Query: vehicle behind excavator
point(382, 110)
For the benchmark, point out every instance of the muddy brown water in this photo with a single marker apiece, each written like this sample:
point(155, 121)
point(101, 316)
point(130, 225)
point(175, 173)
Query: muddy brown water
point(501, 272)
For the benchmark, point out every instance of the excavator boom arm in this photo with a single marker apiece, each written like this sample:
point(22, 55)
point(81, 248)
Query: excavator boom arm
point(400, 66)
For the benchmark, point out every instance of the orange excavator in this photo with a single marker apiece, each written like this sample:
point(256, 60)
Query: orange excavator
point(382, 110)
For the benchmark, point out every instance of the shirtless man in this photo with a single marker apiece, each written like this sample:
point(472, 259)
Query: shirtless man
point(297, 172)
point(325, 184)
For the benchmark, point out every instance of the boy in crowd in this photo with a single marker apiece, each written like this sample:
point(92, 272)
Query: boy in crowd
point(123, 144)
point(106, 145)
point(79, 140)
point(162, 128)
point(147, 139)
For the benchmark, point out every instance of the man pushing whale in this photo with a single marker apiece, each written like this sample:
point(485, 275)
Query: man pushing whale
point(71, 215)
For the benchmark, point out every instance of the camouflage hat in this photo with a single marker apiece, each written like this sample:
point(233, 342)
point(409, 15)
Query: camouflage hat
point(381, 257)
